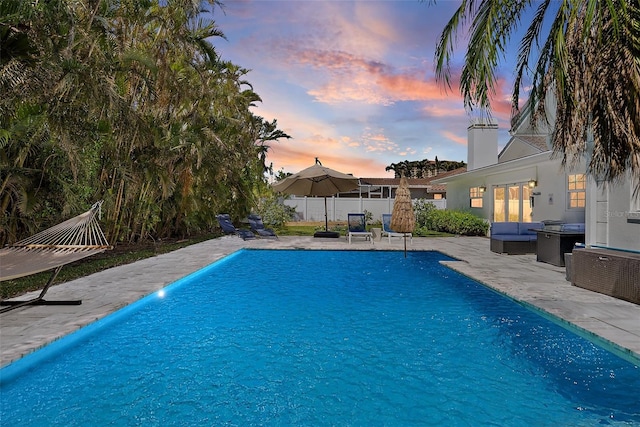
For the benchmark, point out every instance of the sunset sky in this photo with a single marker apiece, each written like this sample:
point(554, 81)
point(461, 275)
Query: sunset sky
point(352, 82)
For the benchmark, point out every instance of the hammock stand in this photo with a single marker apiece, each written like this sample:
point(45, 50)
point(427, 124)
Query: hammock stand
point(52, 249)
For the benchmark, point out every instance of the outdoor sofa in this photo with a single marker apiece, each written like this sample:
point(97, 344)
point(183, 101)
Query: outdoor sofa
point(514, 238)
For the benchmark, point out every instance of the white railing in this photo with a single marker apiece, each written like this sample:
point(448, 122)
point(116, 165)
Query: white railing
point(312, 208)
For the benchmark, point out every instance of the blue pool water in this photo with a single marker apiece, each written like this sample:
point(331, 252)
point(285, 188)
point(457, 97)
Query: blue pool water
point(315, 338)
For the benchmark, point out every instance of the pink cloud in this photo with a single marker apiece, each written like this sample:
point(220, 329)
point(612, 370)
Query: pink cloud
point(354, 78)
point(405, 87)
point(454, 137)
point(294, 159)
point(501, 101)
point(500, 98)
point(444, 110)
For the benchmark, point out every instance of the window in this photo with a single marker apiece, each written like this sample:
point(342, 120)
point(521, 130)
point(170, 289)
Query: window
point(577, 185)
point(512, 203)
point(475, 196)
point(499, 207)
point(633, 216)
point(635, 197)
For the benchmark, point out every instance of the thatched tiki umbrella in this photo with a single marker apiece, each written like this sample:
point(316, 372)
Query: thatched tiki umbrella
point(403, 219)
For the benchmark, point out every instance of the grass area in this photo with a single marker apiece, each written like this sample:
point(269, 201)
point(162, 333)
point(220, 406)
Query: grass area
point(124, 254)
point(308, 228)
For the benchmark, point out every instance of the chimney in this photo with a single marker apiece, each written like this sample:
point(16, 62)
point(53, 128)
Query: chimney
point(482, 144)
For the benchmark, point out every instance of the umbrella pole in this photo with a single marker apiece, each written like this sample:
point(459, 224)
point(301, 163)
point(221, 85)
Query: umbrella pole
point(405, 244)
point(326, 218)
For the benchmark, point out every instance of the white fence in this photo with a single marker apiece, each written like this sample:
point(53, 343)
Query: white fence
point(312, 208)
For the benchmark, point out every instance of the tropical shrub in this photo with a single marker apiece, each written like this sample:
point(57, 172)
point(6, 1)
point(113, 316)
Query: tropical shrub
point(274, 212)
point(448, 221)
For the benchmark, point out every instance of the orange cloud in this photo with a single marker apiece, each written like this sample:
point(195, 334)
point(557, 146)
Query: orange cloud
point(407, 152)
point(377, 141)
point(293, 159)
point(407, 87)
point(350, 142)
point(500, 100)
point(353, 78)
point(444, 110)
point(454, 137)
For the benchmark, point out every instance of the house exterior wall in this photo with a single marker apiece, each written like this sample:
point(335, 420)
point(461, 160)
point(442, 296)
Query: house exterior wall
point(613, 216)
point(458, 197)
point(550, 195)
point(514, 152)
point(553, 201)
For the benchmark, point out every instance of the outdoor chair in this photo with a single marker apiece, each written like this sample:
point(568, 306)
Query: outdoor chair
point(386, 229)
point(228, 228)
point(257, 226)
point(358, 227)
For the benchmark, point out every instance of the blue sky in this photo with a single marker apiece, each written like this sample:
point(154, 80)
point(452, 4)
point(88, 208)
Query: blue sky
point(352, 82)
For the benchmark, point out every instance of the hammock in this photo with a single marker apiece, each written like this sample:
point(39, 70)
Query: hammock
point(51, 249)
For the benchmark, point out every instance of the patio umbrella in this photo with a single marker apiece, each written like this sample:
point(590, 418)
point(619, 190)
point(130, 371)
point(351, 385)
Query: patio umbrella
point(320, 181)
point(403, 219)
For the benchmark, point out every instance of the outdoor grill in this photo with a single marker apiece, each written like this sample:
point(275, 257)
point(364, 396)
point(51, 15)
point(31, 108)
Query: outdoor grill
point(557, 238)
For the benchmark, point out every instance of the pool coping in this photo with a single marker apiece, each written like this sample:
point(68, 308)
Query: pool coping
point(538, 285)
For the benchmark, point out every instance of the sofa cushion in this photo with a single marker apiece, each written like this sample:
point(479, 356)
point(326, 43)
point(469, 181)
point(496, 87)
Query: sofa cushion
point(502, 228)
point(530, 227)
point(514, 237)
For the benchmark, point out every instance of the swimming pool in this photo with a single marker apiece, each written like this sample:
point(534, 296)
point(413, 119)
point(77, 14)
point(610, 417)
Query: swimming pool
point(322, 338)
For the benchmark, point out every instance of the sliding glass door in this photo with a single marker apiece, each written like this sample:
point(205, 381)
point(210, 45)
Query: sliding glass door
point(511, 203)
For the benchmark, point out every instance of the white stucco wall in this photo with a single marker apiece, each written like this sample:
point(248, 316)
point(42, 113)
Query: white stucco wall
point(553, 200)
point(517, 151)
point(612, 216)
point(482, 145)
point(550, 204)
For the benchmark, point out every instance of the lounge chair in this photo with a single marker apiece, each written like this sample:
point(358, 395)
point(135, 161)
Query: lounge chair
point(228, 228)
point(386, 229)
point(358, 227)
point(257, 226)
point(52, 249)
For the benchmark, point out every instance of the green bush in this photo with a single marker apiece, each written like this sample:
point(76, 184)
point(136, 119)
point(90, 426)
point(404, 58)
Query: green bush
point(455, 222)
point(274, 212)
point(423, 209)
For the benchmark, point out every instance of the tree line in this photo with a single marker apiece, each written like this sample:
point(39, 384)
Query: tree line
point(423, 168)
point(129, 102)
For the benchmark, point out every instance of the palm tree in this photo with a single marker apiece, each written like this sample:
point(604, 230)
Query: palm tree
point(129, 102)
point(30, 68)
point(587, 69)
